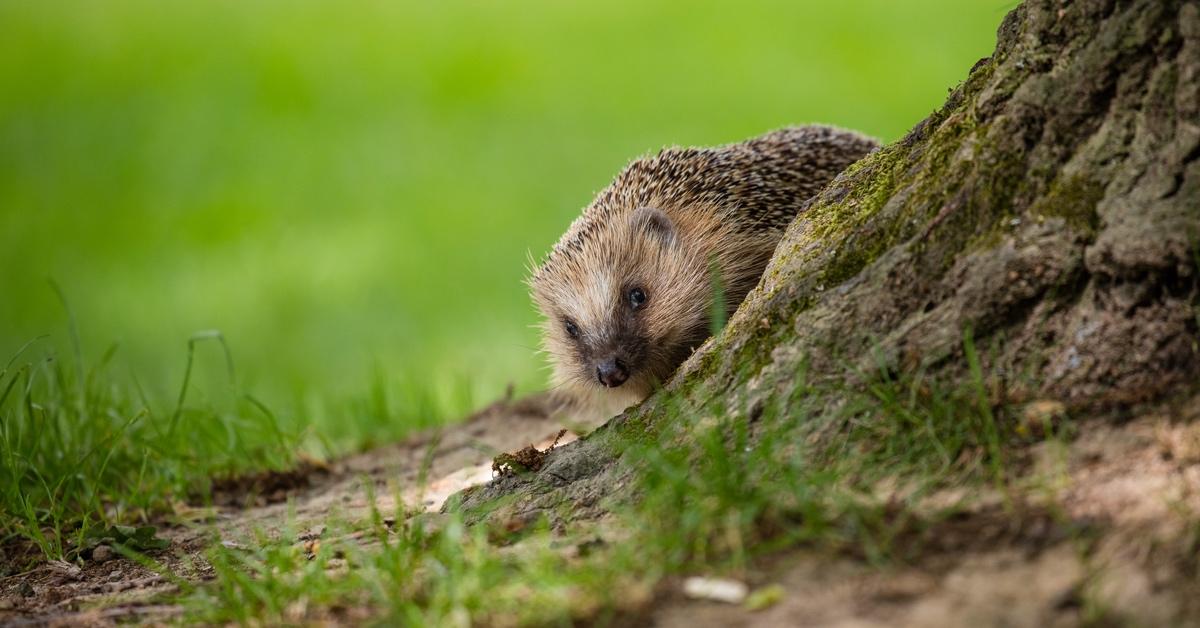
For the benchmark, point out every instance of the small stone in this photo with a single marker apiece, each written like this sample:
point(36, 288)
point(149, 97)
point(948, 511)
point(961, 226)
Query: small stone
point(715, 589)
point(102, 554)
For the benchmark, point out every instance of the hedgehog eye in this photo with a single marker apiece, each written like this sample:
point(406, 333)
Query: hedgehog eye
point(571, 327)
point(637, 298)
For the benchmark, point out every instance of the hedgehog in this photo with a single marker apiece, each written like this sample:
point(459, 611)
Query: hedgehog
point(677, 240)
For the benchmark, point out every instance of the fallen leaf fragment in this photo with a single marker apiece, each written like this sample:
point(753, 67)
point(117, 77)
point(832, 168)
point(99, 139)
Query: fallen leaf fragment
point(765, 597)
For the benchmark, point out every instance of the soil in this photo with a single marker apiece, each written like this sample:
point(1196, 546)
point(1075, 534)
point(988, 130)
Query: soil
point(119, 590)
point(1049, 207)
point(1104, 528)
point(1105, 535)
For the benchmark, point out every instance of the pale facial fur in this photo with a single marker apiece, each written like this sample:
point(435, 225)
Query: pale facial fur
point(667, 260)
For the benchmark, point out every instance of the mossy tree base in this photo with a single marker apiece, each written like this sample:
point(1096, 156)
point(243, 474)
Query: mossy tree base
point(1051, 207)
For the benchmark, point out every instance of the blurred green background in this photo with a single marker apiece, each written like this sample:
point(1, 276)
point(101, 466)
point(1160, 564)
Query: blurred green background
point(350, 192)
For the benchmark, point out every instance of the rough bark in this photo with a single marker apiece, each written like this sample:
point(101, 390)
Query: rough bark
point(1052, 206)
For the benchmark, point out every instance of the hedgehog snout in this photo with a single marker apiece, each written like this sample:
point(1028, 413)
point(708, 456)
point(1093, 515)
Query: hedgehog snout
point(612, 372)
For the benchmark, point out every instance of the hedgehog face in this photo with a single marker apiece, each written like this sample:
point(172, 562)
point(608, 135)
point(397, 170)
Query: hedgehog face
point(624, 305)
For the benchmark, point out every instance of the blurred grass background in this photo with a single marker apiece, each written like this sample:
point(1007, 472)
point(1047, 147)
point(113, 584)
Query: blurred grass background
point(349, 192)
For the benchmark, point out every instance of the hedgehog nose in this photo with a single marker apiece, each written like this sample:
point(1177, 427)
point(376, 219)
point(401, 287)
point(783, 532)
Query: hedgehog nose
point(612, 372)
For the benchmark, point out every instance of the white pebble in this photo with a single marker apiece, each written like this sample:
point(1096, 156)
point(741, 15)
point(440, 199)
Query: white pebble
point(715, 589)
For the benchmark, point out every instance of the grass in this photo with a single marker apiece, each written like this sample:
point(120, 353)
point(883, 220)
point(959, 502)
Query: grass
point(415, 576)
point(81, 450)
point(349, 197)
point(78, 451)
point(712, 497)
point(927, 430)
point(352, 193)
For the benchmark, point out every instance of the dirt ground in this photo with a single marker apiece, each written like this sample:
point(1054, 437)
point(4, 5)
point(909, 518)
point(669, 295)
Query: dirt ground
point(1108, 535)
point(1107, 532)
point(119, 590)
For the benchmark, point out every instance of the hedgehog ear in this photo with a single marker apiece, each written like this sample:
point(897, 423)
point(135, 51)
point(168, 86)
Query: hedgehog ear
point(655, 223)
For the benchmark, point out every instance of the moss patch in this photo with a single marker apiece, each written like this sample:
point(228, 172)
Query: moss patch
point(1073, 199)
